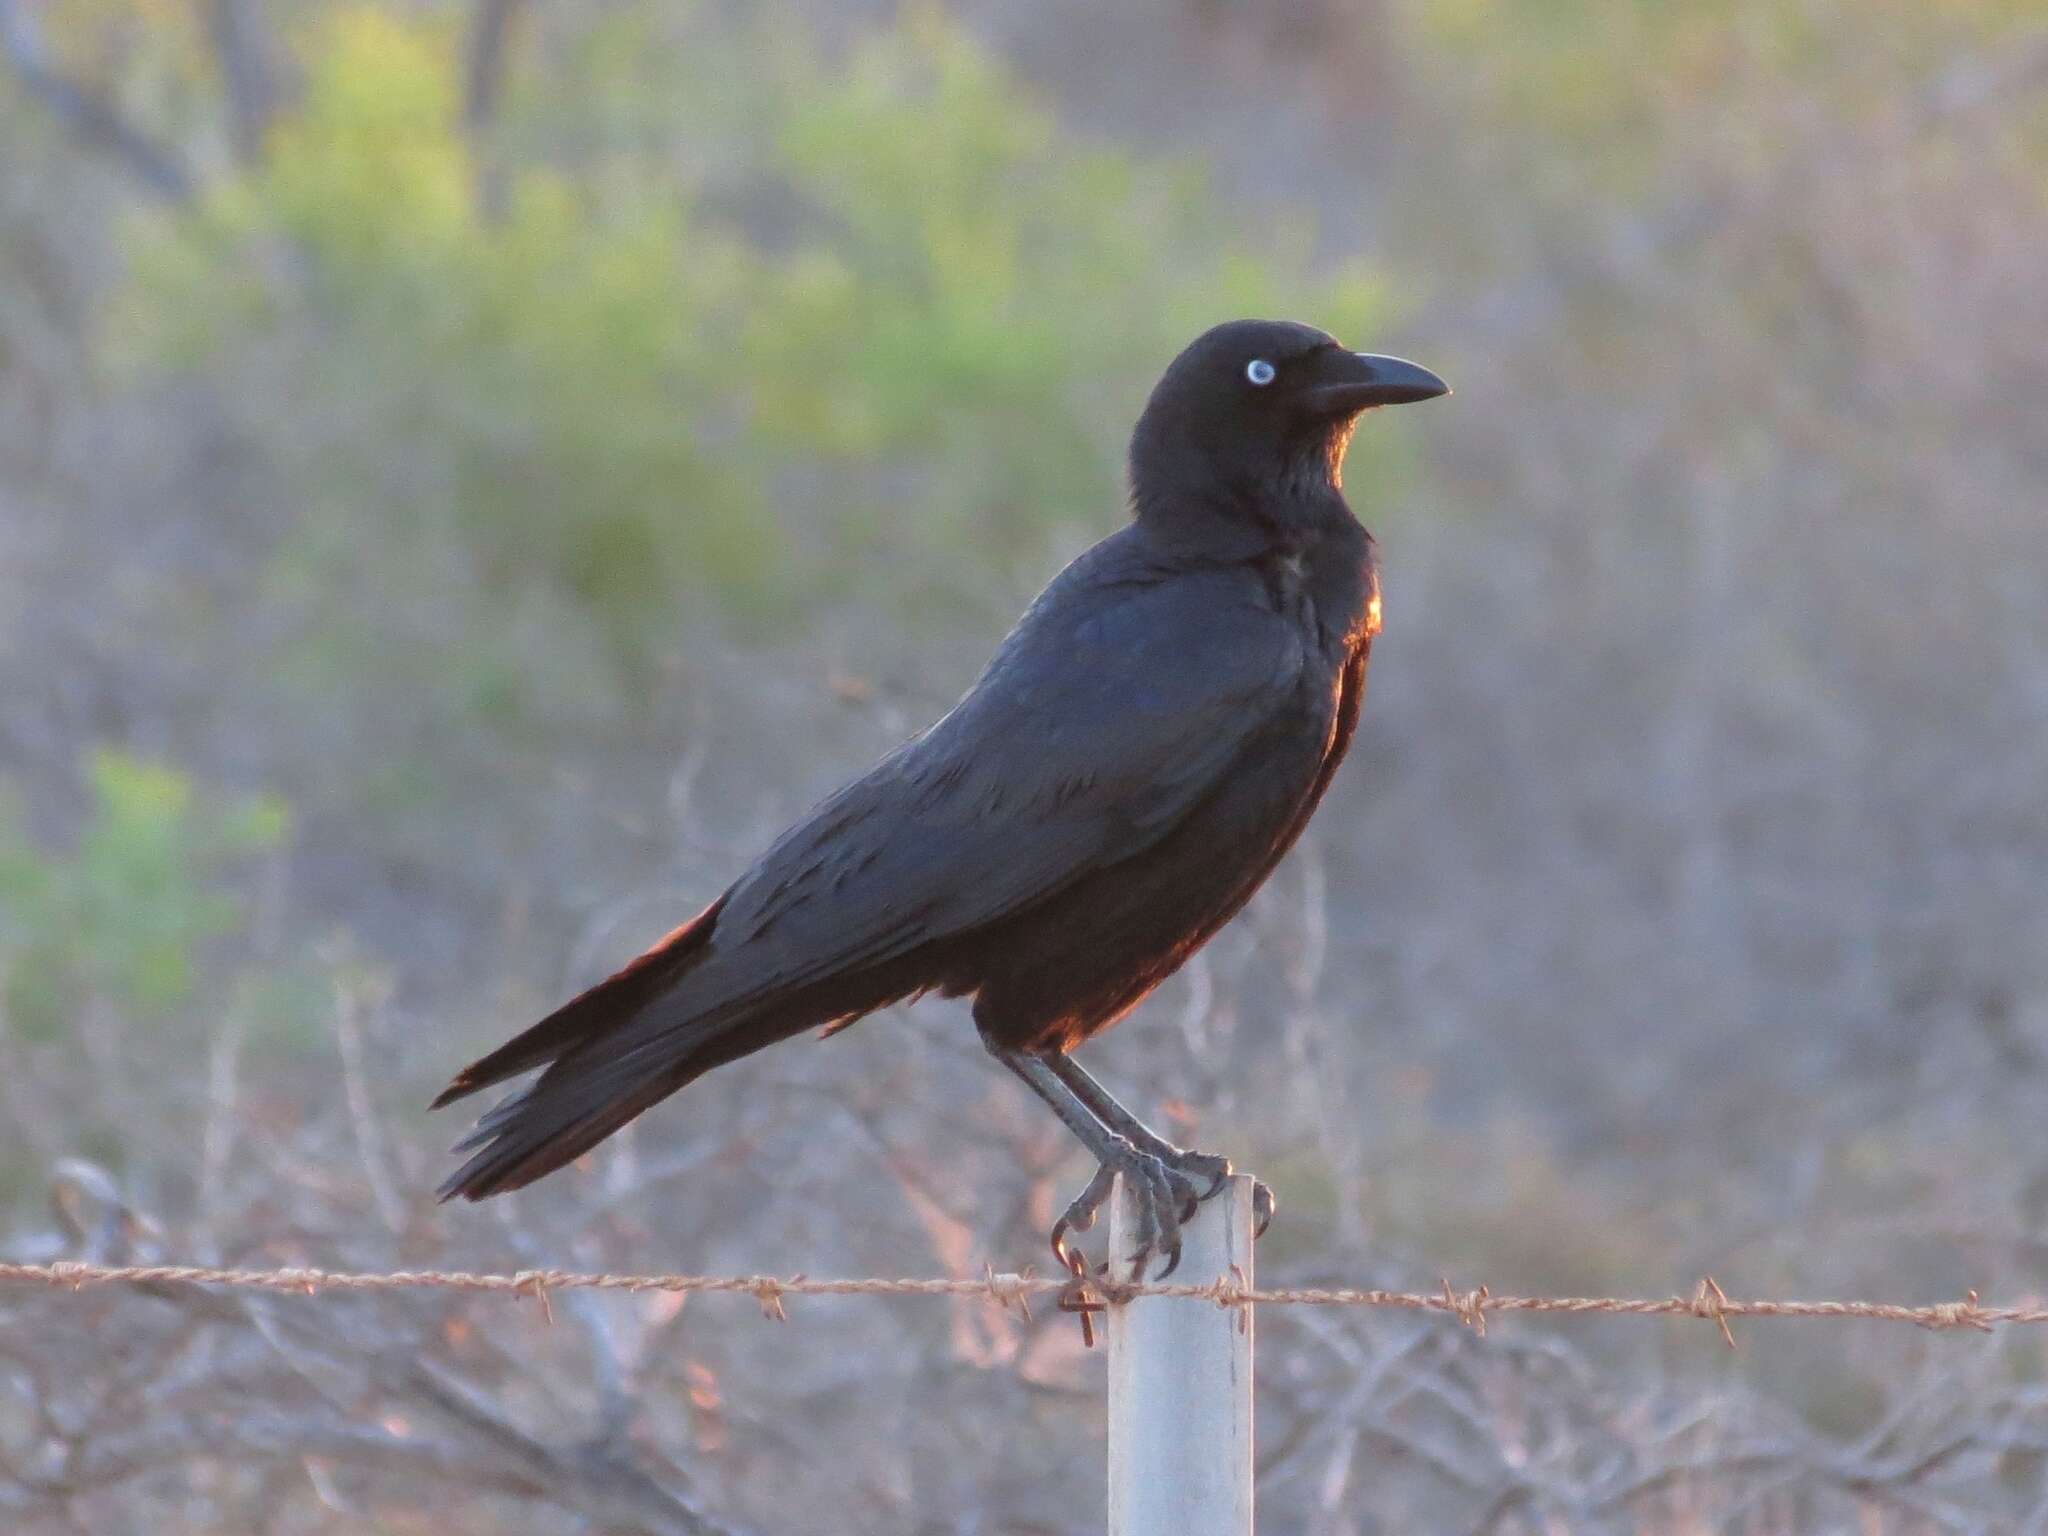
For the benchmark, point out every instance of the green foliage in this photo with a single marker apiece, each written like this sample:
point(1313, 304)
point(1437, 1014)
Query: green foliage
point(987, 301)
point(512, 407)
point(124, 916)
point(818, 327)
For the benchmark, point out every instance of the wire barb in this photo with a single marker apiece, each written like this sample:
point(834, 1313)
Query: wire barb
point(1469, 1309)
point(1710, 1301)
point(534, 1283)
point(769, 1292)
point(1958, 1314)
point(1232, 1293)
point(1008, 1290)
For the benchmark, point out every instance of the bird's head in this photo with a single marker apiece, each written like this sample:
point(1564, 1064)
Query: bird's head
point(1256, 414)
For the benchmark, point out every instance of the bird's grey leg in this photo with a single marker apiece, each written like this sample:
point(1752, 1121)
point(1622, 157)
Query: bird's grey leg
point(1196, 1165)
point(1104, 1106)
point(1165, 1196)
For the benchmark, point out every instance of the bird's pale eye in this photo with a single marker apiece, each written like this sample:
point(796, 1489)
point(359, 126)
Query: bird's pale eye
point(1259, 371)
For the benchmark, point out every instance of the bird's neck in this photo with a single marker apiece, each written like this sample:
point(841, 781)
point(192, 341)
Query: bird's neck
point(1217, 516)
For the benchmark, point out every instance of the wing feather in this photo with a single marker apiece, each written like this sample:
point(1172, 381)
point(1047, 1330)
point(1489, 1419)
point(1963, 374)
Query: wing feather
point(1103, 720)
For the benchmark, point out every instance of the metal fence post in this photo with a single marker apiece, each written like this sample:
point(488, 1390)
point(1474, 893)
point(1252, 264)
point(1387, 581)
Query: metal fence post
point(1180, 1385)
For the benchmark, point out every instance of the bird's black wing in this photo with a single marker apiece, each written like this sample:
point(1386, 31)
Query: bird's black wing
point(1109, 713)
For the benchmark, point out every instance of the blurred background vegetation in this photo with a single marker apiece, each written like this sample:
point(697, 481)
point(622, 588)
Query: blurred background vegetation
point(470, 472)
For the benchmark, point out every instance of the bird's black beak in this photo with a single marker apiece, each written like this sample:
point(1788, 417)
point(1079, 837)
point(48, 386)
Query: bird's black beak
point(1358, 381)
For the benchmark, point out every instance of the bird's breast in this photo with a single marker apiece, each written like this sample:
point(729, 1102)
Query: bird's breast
point(1330, 587)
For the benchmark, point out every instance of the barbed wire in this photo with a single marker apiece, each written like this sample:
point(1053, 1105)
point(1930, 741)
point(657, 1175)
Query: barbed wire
point(1085, 1293)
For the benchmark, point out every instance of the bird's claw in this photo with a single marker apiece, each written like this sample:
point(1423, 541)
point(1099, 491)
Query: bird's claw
point(1163, 1198)
point(1079, 1217)
point(1217, 1170)
point(1203, 1165)
point(1263, 1205)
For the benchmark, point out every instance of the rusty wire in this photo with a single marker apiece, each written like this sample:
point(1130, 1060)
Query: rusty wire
point(1472, 1307)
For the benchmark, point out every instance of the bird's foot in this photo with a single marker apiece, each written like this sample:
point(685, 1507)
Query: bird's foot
point(1210, 1170)
point(1163, 1197)
point(1217, 1171)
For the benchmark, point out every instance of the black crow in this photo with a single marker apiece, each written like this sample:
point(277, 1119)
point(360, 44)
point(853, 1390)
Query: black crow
point(1147, 743)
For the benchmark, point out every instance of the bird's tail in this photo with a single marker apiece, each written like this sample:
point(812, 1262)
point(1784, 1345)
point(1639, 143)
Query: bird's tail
point(599, 1072)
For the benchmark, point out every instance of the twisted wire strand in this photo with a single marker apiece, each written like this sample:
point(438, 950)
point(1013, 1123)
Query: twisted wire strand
point(1472, 1307)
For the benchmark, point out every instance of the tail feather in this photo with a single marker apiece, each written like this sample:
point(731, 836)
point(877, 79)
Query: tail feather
point(590, 1014)
point(592, 1090)
point(609, 1054)
point(584, 1095)
point(633, 1040)
point(534, 1133)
